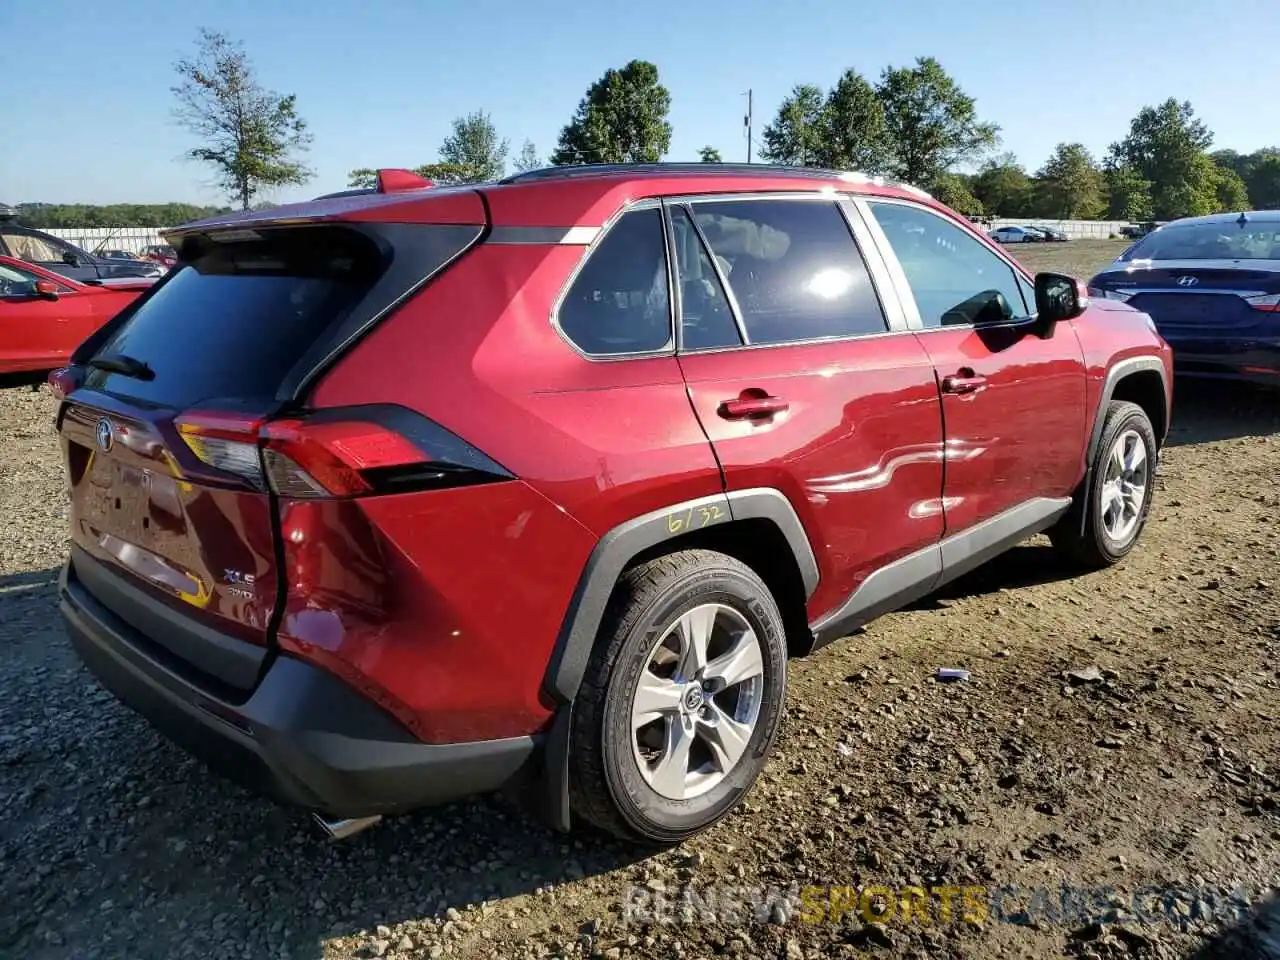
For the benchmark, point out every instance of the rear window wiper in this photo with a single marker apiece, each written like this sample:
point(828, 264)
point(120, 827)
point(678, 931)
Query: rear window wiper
point(128, 366)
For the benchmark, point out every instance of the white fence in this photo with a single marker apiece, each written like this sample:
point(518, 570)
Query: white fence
point(133, 239)
point(1075, 229)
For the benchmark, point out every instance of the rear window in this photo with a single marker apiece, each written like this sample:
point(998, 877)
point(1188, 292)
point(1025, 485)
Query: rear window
point(1227, 240)
point(237, 318)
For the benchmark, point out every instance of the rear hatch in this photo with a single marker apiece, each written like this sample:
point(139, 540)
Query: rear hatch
point(165, 425)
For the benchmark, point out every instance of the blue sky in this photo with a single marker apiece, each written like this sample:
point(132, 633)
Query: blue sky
point(379, 81)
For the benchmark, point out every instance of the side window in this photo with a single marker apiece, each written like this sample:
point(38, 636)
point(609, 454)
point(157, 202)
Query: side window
point(15, 282)
point(706, 319)
point(619, 302)
point(793, 268)
point(953, 276)
point(31, 247)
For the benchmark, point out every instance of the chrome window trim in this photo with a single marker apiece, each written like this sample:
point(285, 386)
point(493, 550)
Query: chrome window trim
point(667, 349)
point(559, 236)
point(912, 310)
point(890, 308)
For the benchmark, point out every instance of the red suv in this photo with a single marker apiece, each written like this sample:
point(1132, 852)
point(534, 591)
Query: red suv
point(392, 497)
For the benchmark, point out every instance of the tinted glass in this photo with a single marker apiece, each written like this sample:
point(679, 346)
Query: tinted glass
point(1231, 240)
point(706, 319)
point(951, 272)
point(235, 320)
point(793, 268)
point(619, 303)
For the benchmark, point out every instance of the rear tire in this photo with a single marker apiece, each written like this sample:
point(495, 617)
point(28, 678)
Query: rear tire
point(1116, 497)
point(667, 740)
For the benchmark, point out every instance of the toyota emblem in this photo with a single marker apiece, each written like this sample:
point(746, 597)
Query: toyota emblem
point(106, 435)
point(1188, 281)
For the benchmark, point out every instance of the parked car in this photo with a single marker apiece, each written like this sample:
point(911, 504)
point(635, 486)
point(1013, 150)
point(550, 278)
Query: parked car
point(1136, 231)
point(405, 495)
point(63, 258)
point(161, 253)
point(1212, 286)
point(44, 316)
point(118, 255)
point(1017, 235)
point(1051, 234)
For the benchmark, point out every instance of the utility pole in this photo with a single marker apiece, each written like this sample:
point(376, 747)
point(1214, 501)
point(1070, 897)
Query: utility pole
point(747, 123)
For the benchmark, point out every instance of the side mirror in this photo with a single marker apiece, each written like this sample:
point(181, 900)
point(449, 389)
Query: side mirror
point(47, 289)
point(71, 259)
point(1058, 297)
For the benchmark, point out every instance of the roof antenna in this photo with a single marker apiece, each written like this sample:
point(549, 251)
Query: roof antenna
point(1242, 219)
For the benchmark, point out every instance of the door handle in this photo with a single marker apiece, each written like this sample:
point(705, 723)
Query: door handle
point(749, 407)
point(963, 380)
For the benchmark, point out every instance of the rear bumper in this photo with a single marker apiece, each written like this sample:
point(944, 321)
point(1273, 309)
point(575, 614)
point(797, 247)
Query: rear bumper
point(1256, 362)
point(302, 737)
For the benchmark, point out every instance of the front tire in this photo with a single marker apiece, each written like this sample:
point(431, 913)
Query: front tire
point(1116, 499)
point(681, 700)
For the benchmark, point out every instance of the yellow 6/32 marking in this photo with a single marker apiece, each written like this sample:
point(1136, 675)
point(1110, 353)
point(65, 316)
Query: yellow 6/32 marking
point(695, 518)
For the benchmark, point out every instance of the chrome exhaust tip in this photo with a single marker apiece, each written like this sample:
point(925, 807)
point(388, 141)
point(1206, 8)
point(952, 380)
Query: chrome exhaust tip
point(341, 829)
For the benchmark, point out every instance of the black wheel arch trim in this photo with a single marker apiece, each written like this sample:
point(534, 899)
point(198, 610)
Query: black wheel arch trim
point(620, 545)
point(1117, 372)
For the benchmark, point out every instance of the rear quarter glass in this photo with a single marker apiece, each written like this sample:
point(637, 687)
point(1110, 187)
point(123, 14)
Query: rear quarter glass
point(251, 319)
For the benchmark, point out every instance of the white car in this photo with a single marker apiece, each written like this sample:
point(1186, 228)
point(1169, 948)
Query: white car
point(1016, 235)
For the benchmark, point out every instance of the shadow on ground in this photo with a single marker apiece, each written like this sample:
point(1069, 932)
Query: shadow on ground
point(1205, 411)
point(143, 852)
point(1254, 937)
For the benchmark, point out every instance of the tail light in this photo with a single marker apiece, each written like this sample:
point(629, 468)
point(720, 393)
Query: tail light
point(337, 454)
point(1268, 303)
point(64, 380)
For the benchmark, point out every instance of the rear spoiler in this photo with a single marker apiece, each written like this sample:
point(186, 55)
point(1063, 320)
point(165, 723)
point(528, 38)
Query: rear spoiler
point(390, 180)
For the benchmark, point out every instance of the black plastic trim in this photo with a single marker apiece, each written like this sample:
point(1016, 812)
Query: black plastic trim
point(1115, 374)
point(225, 659)
point(304, 737)
point(920, 573)
point(617, 547)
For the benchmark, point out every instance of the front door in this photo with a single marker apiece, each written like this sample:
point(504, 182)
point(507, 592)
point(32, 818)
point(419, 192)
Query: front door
point(806, 383)
point(1013, 400)
point(37, 333)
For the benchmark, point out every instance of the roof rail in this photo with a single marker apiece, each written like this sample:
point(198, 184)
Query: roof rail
point(574, 171)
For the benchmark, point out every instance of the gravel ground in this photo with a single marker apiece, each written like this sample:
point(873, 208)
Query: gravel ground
point(1118, 731)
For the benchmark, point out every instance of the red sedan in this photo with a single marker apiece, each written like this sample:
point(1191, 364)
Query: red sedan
point(44, 316)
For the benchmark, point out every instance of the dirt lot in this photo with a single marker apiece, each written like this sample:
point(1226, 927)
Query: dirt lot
point(1158, 771)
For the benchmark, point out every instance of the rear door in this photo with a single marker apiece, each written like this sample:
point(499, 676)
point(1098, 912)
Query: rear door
point(163, 440)
point(806, 382)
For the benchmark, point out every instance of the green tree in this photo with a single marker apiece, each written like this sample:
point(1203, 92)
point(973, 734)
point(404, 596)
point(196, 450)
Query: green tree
point(1002, 186)
point(953, 190)
point(474, 148)
point(1232, 193)
point(1128, 194)
point(622, 119)
point(528, 159)
point(1070, 186)
point(854, 134)
point(798, 134)
point(249, 135)
point(710, 155)
point(932, 124)
point(1166, 146)
point(1263, 180)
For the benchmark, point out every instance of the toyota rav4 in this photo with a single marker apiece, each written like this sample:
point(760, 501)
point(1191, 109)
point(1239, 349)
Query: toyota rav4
point(415, 492)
